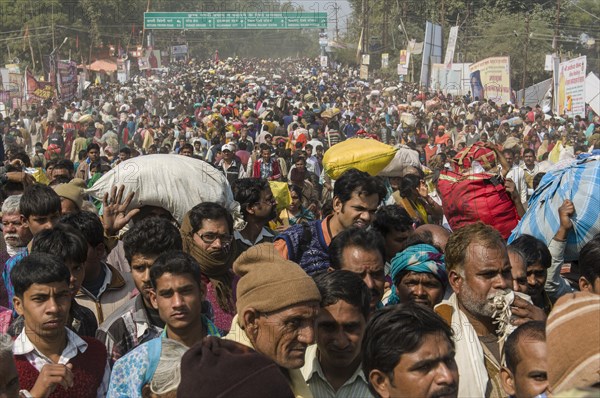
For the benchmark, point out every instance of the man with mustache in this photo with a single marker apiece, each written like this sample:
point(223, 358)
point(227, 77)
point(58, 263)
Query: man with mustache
point(409, 351)
point(277, 304)
point(362, 252)
point(479, 271)
point(332, 366)
point(16, 237)
point(16, 234)
point(356, 197)
point(136, 321)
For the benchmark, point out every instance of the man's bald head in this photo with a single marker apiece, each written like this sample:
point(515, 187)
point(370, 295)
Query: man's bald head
point(439, 235)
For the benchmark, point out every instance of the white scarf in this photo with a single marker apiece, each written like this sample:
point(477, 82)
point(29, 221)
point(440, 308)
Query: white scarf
point(469, 353)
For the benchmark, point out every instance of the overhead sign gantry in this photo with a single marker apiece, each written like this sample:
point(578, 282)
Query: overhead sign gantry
point(235, 20)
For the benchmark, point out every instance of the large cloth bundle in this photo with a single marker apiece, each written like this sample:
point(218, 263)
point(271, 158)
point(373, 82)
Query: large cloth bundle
point(175, 183)
point(477, 197)
point(432, 104)
point(408, 118)
point(404, 158)
point(366, 155)
point(578, 182)
point(85, 119)
point(476, 152)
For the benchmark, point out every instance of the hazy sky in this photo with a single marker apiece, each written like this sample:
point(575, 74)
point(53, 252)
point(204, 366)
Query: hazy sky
point(329, 7)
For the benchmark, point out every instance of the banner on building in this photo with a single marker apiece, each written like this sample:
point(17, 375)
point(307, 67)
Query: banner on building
point(571, 87)
point(403, 62)
point(179, 50)
point(123, 67)
point(385, 60)
point(451, 47)
point(453, 81)
point(323, 61)
point(490, 79)
point(143, 63)
point(404, 58)
point(414, 47)
point(36, 91)
point(67, 79)
point(549, 63)
point(4, 78)
point(154, 59)
point(364, 72)
point(432, 51)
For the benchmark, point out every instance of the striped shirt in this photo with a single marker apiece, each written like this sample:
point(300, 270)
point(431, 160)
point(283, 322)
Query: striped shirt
point(355, 387)
point(126, 328)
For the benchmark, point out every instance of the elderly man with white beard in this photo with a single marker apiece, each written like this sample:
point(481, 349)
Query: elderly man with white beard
point(16, 237)
point(16, 234)
point(483, 309)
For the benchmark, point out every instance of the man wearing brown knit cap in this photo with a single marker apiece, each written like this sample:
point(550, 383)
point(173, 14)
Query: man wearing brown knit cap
point(573, 339)
point(277, 304)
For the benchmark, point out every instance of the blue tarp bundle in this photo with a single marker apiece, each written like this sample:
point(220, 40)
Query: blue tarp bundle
point(578, 182)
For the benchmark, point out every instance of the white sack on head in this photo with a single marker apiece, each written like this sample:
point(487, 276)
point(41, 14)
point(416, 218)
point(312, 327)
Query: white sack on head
point(175, 183)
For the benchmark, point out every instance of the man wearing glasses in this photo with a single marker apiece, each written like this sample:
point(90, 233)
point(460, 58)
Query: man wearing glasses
point(206, 233)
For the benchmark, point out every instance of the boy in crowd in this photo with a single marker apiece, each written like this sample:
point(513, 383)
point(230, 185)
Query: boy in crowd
point(51, 358)
point(177, 296)
point(104, 288)
point(40, 209)
point(69, 245)
point(136, 321)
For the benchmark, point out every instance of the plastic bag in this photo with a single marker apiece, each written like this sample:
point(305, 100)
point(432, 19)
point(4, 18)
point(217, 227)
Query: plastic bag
point(281, 193)
point(578, 181)
point(366, 155)
point(404, 158)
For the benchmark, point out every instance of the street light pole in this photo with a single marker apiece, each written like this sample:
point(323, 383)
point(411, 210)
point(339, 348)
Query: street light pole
point(525, 60)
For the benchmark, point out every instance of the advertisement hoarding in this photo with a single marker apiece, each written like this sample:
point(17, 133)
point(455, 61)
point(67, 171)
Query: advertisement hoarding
point(490, 79)
point(571, 87)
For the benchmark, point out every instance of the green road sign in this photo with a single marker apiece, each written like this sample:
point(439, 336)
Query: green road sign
point(235, 20)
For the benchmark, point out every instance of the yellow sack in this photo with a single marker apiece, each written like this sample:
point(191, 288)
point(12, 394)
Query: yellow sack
point(366, 155)
point(38, 175)
point(554, 155)
point(281, 193)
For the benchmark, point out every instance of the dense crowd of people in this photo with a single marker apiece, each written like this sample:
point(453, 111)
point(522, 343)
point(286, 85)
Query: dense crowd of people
point(360, 286)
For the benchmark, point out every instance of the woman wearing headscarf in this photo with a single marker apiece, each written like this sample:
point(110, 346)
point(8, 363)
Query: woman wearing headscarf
point(419, 275)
